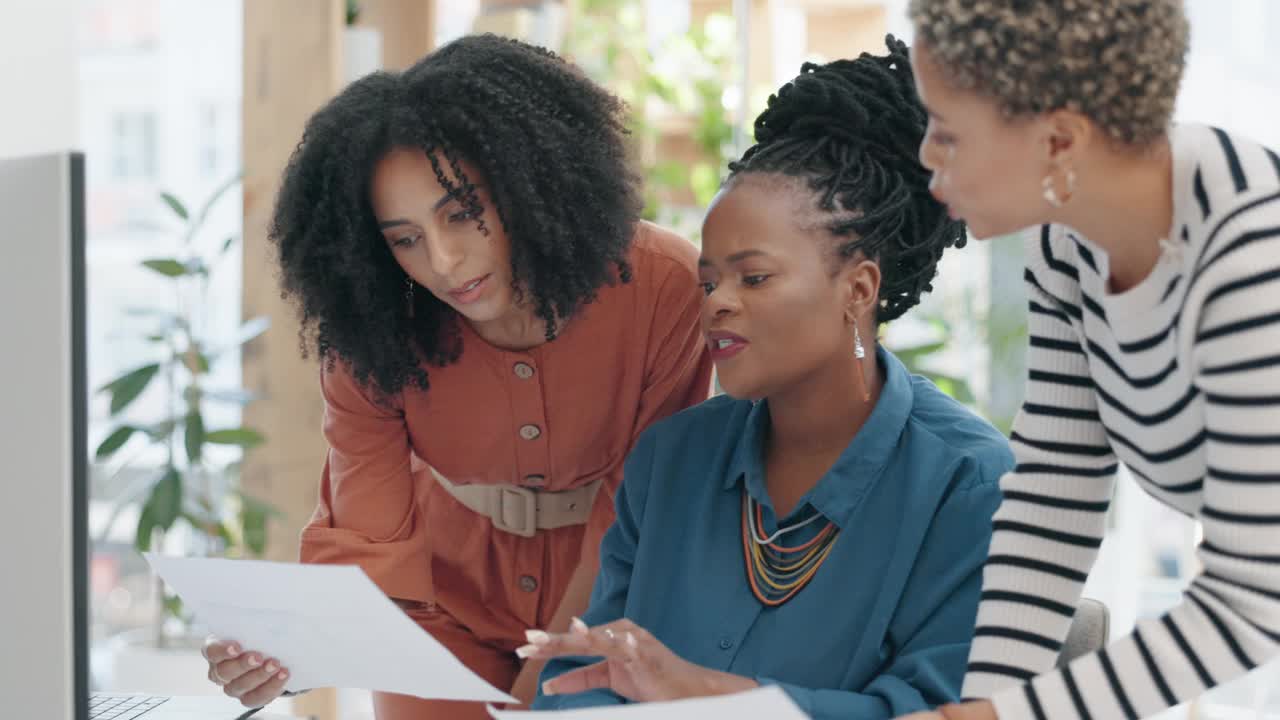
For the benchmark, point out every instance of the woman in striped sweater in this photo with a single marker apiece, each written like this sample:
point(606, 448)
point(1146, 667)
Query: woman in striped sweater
point(1154, 280)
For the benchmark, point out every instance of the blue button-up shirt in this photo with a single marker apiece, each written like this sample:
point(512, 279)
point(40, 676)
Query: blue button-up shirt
point(885, 625)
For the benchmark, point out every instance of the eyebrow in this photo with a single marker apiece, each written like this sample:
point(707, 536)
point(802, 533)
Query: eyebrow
point(401, 221)
point(736, 257)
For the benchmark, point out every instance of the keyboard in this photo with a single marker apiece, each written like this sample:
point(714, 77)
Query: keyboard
point(122, 707)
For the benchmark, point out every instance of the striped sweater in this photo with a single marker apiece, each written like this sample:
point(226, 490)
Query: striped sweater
point(1177, 378)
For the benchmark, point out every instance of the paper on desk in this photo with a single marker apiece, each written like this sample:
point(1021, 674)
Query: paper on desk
point(766, 703)
point(328, 624)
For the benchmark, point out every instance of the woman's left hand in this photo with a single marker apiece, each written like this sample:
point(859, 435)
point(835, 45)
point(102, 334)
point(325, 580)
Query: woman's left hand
point(635, 665)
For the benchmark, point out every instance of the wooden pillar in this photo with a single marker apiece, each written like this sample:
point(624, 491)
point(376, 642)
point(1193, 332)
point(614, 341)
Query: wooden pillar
point(836, 32)
point(408, 29)
point(292, 65)
point(541, 22)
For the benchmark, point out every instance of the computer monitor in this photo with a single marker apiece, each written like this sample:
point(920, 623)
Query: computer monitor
point(43, 438)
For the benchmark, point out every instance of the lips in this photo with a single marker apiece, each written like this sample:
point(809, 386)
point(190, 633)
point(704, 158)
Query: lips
point(470, 291)
point(724, 345)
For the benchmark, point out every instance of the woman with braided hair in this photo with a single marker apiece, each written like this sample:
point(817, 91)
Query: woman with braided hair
point(823, 526)
point(495, 327)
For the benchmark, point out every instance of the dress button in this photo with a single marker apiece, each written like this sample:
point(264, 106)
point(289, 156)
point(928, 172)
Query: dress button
point(726, 642)
point(528, 583)
point(524, 371)
point(530, 432)
point(535, 480)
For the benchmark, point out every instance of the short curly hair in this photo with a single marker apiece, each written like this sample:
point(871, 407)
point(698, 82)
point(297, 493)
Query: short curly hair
point(851, 130)
point(1117, 62)
point(551, 148)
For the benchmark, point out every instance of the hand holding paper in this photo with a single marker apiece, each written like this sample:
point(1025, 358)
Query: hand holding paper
point(330, 625)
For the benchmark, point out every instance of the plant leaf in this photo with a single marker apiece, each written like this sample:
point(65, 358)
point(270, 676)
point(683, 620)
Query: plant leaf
point(704, 182)
point(161, 430)
point(166, 266)
point(209, 526)
point(911, 356)
point(208, 204)
point(266, 507)
point(254, 516)
point(146, 526)
point(194, 435)
point(251, 329)
point(126, 388)
point(138, 311)
point(244, 437)
point(253, 522)
point(232, 396)
point(175, 205)
point(173, 606)
point(115, 441)
point(195, 361)
point(165, 502)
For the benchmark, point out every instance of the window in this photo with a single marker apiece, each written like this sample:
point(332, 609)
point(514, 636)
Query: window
point(211, 144)
point(133, 151)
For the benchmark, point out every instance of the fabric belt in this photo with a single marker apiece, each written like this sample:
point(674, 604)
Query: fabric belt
point(524, 511)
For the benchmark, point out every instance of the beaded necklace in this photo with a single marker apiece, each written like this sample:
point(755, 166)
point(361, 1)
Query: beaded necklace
point(777, 573)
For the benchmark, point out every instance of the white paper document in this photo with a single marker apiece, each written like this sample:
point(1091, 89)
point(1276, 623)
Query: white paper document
point(329, 625)
point(766, 703)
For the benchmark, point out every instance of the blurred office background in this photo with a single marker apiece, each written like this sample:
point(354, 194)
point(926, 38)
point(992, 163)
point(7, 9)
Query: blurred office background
point(187, 110)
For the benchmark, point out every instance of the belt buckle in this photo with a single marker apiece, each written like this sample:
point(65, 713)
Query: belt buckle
point(528, 514)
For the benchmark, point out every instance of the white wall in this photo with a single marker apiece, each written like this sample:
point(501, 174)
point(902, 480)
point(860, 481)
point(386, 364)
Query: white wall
point(38, 61)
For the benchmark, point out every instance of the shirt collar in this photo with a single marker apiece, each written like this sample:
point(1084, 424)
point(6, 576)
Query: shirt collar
point(840, 490)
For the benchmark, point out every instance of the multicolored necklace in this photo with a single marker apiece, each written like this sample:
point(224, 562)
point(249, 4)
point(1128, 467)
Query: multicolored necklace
point(777, 573)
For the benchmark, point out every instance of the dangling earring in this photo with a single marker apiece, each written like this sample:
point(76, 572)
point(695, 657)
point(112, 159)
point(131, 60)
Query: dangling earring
point(408, 294)
point(1050, 192)
point(860, 354)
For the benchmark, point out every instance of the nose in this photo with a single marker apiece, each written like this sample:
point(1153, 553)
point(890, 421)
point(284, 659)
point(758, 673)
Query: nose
point(445, 255)
point(719, 304)
point(928, 155)
point(935, 183)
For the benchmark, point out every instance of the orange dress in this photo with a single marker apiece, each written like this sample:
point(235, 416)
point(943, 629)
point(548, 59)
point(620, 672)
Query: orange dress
point(554, 417)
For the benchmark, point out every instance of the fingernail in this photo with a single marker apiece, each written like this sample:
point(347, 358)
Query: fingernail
point(526, 651)
point(537, 637)
point(578, 626)
point(233, 651)
point(272, 667)
point(284, 675)
point(631, 641)
point(254, 661)
point(547, 689)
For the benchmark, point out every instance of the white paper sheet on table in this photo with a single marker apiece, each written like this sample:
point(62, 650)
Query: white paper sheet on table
point(329, 624)
point(766, 703)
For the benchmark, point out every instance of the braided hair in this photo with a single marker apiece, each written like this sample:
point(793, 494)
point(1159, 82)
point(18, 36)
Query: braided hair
point(851, 129)
point(550, 146)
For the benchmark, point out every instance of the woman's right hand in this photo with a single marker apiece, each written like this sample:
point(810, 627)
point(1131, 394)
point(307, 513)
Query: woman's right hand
point(248, 676)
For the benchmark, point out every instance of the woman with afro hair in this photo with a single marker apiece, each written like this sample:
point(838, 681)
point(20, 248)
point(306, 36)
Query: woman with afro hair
point(496, 326)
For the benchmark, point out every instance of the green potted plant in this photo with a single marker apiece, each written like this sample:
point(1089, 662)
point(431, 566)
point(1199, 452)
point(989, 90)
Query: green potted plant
point(193, 486)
